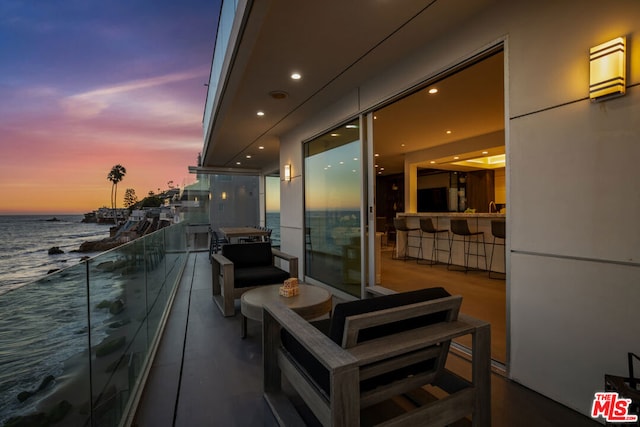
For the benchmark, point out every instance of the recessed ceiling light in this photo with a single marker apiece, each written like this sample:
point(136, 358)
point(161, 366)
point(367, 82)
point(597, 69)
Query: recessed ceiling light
point(355, 158)
point(485, 152)
point(376, 165)
point(296, 76)
point(401, 145)
point(261, 148)
point(377, 155)
point(433, 162)
point(335, 134)
point(456, 157)
point(260, 113)
point(342, 163)
point(351, 126)
point(238, 163)
point(328, 166)
point(448, 132)
point(433, 90)
point(379, 173)
point(248, 156)
point(381, 169)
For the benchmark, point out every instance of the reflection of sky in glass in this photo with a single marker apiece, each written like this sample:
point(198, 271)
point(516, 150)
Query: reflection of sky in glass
point(332, 178)
point(272, 194)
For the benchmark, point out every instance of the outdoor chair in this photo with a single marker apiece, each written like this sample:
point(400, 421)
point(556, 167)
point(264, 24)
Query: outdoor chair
point(372, 351)
point(243, 266)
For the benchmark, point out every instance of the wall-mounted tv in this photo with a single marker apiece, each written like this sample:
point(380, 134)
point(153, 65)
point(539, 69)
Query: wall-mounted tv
point(433, 199)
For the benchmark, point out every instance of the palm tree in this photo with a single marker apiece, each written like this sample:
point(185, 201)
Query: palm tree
point(115, 176)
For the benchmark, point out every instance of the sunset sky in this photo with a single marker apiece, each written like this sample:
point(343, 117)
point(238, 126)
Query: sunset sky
point(87, 84)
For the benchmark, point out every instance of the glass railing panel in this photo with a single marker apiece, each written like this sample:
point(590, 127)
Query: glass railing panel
point(175, 254)
point(44, 369)
point(225, 24)
point(118, 307)
point(74, 344)
point(157, 284)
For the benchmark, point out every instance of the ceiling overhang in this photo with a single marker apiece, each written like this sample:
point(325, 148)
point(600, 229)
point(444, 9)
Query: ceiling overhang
point(335, 45)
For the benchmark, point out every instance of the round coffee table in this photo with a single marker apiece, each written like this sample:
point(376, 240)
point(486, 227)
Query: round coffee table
point(311, 302)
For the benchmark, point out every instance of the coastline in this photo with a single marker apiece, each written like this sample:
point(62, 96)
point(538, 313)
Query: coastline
point(119, 353)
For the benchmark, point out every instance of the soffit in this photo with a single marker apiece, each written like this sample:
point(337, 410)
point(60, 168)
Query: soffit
point(336, 45)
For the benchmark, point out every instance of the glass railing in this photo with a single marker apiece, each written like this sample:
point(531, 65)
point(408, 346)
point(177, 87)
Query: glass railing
point(74, 344)
point(223, 36)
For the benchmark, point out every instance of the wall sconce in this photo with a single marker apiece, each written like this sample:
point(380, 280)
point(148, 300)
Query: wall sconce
point(607, 69)
point(223, 196)
point(287, 172)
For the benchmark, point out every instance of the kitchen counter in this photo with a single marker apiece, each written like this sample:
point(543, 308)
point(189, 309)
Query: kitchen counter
point(441, 220)
point(451, 215)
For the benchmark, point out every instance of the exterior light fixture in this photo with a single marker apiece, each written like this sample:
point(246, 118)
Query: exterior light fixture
point(607, 63)
point(260, 113)
point(296, 76)
point(287, 172)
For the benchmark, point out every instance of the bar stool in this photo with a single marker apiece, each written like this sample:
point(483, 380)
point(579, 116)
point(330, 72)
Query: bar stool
point(460, 227)
point(498, 231)
point(400, 225)
point(426, 227)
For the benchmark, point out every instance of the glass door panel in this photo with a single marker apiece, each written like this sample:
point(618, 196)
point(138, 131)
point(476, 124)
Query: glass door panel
point(333, 194)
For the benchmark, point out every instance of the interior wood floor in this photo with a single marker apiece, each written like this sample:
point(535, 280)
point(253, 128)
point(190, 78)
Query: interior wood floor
point(482, 297)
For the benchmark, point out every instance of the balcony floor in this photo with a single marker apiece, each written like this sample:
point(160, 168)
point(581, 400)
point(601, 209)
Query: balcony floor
point(205, 374)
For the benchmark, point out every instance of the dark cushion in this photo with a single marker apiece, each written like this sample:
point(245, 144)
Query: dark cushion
point(260, 275)
point(309, 365)
point(352, 308)
point(248, 254)
point(334, 328)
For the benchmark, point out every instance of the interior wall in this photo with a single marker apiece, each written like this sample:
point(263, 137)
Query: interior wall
point(572, 190)
point(500, 185)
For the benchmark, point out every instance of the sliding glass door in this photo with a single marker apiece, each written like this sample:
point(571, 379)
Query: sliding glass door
point(333, 198)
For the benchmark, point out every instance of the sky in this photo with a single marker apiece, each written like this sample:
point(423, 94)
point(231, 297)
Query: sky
point(86, 85)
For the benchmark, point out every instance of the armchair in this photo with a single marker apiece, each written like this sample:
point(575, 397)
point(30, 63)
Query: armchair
point(374, 350)
point(243, 266)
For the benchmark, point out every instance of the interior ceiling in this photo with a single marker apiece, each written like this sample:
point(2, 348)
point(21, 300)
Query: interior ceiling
point(337, 45)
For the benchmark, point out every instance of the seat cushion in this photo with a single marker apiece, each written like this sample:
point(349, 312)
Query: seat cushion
point(313, 369)
point(344, 310)
point(260, 275)
point(248, 254)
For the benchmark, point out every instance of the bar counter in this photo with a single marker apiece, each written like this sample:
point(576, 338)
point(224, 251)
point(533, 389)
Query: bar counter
point(442, 220)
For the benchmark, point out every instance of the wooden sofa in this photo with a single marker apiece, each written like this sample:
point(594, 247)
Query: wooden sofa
point(242, 266)
point(374, 350)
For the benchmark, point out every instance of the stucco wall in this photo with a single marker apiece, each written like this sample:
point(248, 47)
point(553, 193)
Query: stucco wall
point(573, 190)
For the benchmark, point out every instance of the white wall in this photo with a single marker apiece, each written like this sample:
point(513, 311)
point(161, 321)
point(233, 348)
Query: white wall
point(573, 189)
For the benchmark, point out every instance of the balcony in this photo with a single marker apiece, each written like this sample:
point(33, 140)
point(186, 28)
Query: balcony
point(205, 374)
point(202, 373)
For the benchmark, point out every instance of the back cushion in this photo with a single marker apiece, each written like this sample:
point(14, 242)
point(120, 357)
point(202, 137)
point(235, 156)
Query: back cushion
point(344, 310)
point(248, 254)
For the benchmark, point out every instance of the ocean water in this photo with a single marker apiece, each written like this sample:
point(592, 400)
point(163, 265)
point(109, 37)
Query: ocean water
point(43, 322)
point(26, 239)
